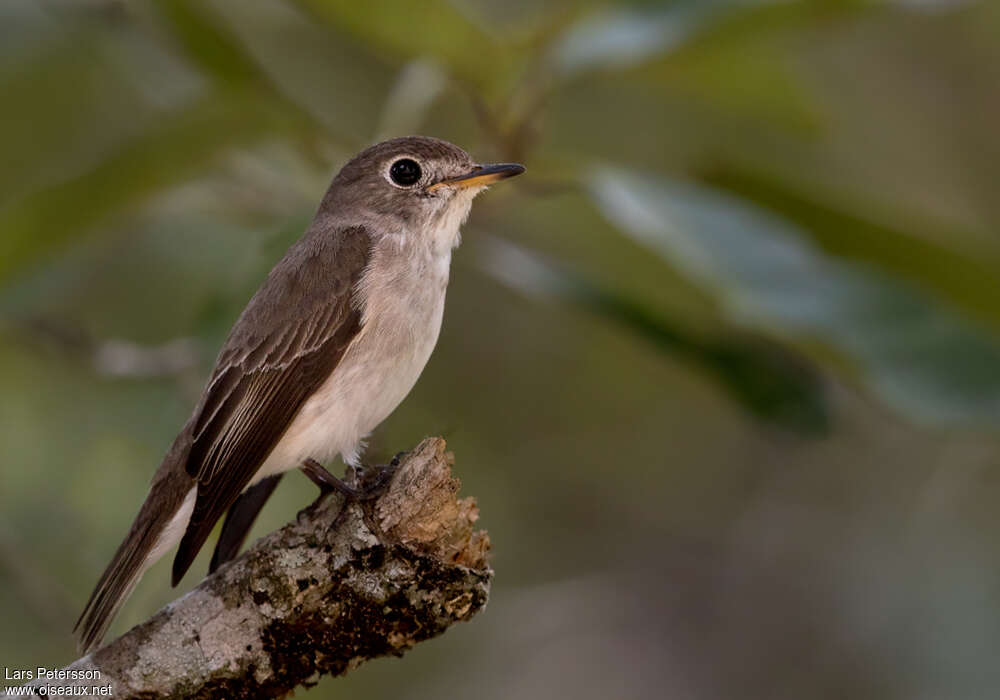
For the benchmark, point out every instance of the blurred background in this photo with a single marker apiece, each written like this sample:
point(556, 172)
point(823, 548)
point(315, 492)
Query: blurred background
point(723, 369)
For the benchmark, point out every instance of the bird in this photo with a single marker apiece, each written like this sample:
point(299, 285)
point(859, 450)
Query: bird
point(329, 345)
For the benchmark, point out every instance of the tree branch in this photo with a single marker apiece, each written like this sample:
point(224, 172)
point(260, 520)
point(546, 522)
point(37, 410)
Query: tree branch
point(339, 586)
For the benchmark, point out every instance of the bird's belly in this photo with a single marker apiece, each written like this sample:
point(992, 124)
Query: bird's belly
point(376, 373)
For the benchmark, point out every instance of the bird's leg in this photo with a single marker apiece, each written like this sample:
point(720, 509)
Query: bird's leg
point(325, 481)
point(371, 480)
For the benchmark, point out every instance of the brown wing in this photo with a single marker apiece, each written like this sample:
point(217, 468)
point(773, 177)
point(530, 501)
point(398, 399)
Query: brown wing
point(286, 343)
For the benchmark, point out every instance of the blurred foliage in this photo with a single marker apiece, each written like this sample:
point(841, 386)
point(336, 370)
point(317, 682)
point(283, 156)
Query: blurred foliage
point(923, 359)
point(721, 368)
point(769, 380)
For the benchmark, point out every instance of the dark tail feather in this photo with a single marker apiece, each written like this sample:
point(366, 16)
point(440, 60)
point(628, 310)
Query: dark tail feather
point(132, 558)
point(240, 519)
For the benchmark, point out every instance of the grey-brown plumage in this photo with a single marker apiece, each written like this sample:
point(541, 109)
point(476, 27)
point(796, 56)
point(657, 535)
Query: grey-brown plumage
point(309, 316)
point(333, 340)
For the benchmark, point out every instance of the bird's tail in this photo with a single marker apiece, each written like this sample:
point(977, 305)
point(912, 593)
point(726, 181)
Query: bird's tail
point(158, 527)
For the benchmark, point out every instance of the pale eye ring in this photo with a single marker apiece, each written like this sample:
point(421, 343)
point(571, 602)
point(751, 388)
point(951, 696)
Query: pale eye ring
point(405, 172)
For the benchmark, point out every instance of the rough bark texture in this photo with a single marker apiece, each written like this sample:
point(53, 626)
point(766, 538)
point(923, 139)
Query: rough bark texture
point(341, 585)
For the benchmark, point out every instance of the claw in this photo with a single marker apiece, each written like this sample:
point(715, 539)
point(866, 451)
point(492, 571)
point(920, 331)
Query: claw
point(371, 482)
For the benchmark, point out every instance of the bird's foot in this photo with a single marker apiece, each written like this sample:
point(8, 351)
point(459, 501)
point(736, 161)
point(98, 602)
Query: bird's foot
point(324, 480)
point(370, 481)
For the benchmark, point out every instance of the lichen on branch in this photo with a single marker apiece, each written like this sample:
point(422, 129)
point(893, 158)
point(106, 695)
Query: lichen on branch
point(342, 584)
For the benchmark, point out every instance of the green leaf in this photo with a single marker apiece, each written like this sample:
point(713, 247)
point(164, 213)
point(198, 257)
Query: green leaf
point(771, 382)
point(48, 218)
point(964, 275)
point(921, 357)
point(164, 144)
point(622, 37)
point(412, 30)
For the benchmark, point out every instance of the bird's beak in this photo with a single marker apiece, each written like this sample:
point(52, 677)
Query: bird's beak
point(481, 175)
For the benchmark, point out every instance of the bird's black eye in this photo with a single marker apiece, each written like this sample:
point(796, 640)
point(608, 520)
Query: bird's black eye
point(405, 172)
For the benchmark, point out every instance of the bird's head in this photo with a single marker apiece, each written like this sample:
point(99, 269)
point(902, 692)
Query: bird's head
point(412, 185)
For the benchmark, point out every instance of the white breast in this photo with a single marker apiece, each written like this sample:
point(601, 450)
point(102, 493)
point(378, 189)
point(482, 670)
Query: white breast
point(403, 293)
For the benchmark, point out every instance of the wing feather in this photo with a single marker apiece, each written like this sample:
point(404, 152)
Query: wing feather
point(286, 344)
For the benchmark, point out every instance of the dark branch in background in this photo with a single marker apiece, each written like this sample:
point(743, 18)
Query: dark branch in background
point(339, 586)
point(111, 357)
